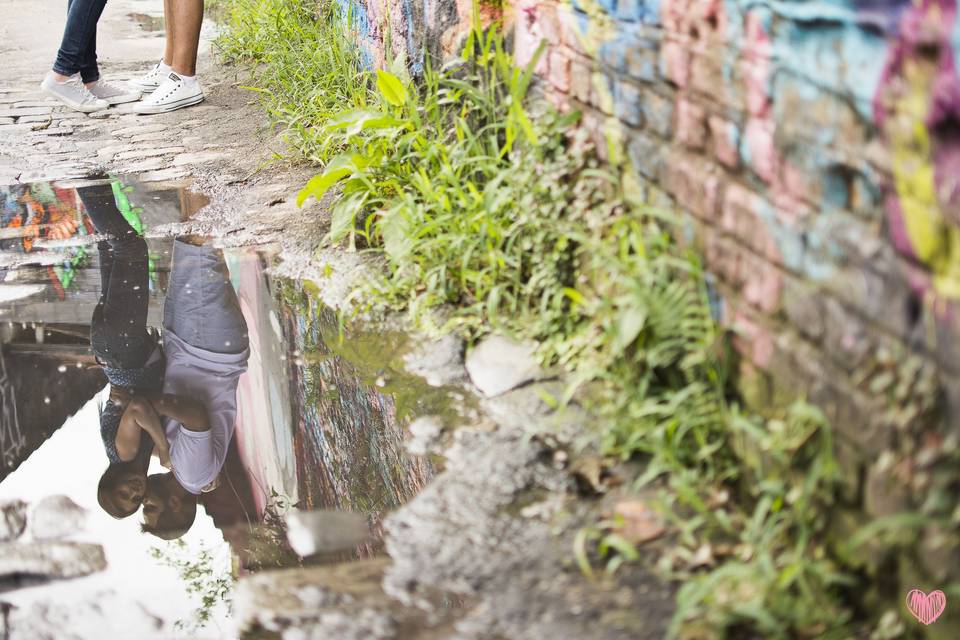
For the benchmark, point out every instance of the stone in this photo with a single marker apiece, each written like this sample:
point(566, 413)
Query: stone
point(335, 601)
point(161, 175)
point(150, 137)
point(658, 113)
point(499, 364)
point(691, 124)
point(107, 152)
point(580, 81)
point(725, 141)
point(439, 362)
point(559, 71)
point(57, 517)
point(15, 128)
point(322, 531)
point(28, 111)
point(144, 165)
point(35, 119)
point(646, 154)
point(425, 433)
point(694, 184)
point(629, 103)
point(466, 534)
point(140, 154)
point(6, 120)
point(105, 614)
point(128, 132)
point(199, 157)
point(13, 519)
point(50, 560)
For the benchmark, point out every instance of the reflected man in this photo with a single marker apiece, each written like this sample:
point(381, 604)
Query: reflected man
point(207, 347)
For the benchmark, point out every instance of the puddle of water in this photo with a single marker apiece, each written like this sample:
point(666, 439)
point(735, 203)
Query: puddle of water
point(264, 398)
point(147, 22)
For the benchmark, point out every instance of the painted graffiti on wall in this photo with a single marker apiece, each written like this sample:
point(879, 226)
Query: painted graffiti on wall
point(411, 30)
point(804, 125)
point(917, 109)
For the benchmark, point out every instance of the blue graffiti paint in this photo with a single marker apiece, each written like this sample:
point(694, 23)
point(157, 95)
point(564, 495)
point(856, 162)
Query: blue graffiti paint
point(824, 44)
point(955, 40)
point(353, 14)
point(415, 55)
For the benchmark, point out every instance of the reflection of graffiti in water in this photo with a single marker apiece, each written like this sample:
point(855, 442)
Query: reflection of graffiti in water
point(45, 212)
point(11, 440)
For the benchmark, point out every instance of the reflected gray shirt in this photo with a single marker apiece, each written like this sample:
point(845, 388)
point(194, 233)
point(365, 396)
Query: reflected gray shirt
point(211, 379)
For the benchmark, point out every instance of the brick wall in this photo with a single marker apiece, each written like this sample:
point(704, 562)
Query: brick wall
point(815, 147)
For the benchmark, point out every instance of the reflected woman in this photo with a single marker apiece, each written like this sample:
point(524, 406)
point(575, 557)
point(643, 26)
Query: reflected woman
point(129, 353)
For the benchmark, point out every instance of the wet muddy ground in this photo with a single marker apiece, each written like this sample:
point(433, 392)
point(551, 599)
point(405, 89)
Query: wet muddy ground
point(370, 489)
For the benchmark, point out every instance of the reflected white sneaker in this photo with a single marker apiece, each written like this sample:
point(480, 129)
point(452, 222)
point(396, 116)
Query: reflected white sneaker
point(172, 94)
point(151, 79)
point(72, 93)
point(112, 93)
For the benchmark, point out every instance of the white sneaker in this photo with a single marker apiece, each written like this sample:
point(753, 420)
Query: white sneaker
point(72, 93)
point(151, 79)
point(112, 93)
point(172, 94)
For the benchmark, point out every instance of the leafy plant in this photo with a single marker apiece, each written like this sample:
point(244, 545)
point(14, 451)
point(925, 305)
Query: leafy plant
point(491, 213)
point(201, 576)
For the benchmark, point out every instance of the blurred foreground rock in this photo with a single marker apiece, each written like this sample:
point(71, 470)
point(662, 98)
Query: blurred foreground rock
point(106, 615)
point(57, 517)
point(13, 519)
point(312, 532)
point(439, 362)
point(344, 601)
point(50, 560)
point(499, 364)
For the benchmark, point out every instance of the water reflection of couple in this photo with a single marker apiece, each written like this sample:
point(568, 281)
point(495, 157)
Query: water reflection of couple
point(174, 396)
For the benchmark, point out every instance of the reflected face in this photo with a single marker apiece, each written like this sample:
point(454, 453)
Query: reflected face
point(129, 491)
point(154, 504)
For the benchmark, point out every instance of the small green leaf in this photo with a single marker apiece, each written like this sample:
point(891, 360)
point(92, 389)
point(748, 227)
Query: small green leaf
point(339, 168)
point(395, 227)
point(362, 120)
point(630, 321)
point(525, 125)
point(391, 88)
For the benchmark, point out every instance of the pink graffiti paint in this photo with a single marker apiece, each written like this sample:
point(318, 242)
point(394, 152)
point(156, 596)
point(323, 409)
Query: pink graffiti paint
point(926, 607)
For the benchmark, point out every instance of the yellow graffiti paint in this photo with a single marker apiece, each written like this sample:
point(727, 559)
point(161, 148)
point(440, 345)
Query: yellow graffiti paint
point(935, 241)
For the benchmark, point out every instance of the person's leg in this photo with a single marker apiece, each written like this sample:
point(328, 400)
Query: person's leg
point(202, 308)
point(176, 87)
point(90, 72)
point(118, 332)
point(187, 18)
point(168, 26)
point(82, 18)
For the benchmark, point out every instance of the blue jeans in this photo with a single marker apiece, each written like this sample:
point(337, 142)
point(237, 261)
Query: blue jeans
point(78, 49)
point(201, 306)
point(118, 330)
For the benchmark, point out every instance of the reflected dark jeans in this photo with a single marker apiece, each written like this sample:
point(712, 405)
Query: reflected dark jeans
point(118, 331)
point(78, 49)
point(202, 307)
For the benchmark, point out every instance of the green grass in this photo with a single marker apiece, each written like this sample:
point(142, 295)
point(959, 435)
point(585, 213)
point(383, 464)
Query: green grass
point(492, 214)
point(302, 84)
